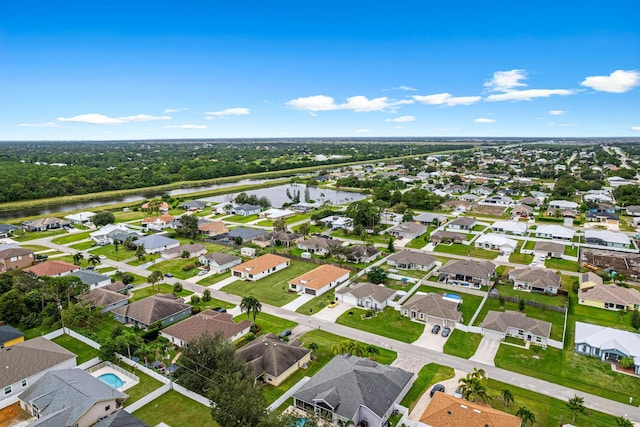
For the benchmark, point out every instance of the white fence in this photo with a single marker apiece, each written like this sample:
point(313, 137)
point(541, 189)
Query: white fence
point(191, 395)
point(115, 368)
point(153, 374)
point(89, 363)
point(454, 288)
point(147, 399)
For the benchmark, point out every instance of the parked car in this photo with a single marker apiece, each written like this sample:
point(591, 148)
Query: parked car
point(168, 275)
point(457, 393)
point(446, 331)
point(333, 304)
point(220, 309)
point(284, 333)
point(202, 272)
point(435, 329)
point(436, 388)
point(102, 257)
point(90, 267)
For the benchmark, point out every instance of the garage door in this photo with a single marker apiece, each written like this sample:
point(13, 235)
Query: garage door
point(492, 334)
point(309, 291)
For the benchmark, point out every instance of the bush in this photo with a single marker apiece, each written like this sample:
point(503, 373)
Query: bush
point(250, 337)
point(521, 305)
point(188, 267)
point(206, 295)
point(195, 299)
point(195, 310)
point(626, 362)
point(177, 288)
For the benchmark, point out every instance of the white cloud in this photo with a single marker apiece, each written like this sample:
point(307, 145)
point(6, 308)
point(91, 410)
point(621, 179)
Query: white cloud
point(446, 99)
point(313, 103)
point(363, 131)
point(636, 128)
point(186, 127)
point(39, 125)
point(229, 112)
point(484, 120)
point(619, 81)
point(557, 112)
point(529, 94)
point(359, 103)
point(402, 119)
point(171, 110)
point(101, 119)
point(506, 81)
point(402, 87)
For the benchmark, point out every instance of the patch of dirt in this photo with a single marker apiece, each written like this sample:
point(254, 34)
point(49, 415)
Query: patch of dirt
point(621, 262)
point(489, 210)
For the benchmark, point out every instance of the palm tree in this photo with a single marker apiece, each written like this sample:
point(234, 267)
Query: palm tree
point(576, 405)
point(155, 277)
point(93, 259)
point(154, 206)
point(77, 258)
point(472, 386)
point(526, 416)
point(345, 423)
point(507, 396)
point(623, 422)
point(251, 305)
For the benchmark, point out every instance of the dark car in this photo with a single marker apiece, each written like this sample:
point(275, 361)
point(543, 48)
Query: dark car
point(168, 275)
point(436, 388)
point(446, 331)
point(284, 333)
point(220, 309)
point(435, 329)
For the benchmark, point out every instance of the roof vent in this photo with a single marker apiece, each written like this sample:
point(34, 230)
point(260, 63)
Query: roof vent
point(449, 412)
point(477, 411)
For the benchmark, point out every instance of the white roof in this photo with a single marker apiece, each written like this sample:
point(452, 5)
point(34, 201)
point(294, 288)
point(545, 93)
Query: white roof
point(106, 229)
point(555, 230)
point(497, 240)
point(563, 204)
point(80, 216)
point(277, 213)
point(608, 338)
point(607, 236)
point(513, 226)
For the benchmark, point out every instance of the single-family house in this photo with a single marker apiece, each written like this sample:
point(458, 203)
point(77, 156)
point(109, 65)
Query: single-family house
point(91, 278)
point(499, 325)
point(10, 336)
point(562, 204)
point(164, 207)
point(598, 196)
point(165, 309)
point(426, 218)
point(594, 293)
point(260, 267)
point(272, 360)
point(319, 280)
point(607, 238)
point(354, 388)
point(495, 242)
point(206, 322)
point(548, 249)
point(407, 230)
point(7, 230)
point(556, 232)
point(482, 191)
point(318, 245)
point(118, 287)
point(336, 222)
point(509, 227)
point(446, 236)
point(246, 209)
point(52, 268)
point(27, 361)
point(157, 222)
point(219, 262)
point(156, 243)
point(185, 251)
point(463, 223)
point(105, 234)
point(105, 299)
point(432, 308)
point(211, 228)
point(632, 210)
point(530, 201)
point(603, 217)
point(70, 397)
point(244, 233)
point(522, 211)
point(503, 201)
point(535, 280)
point(468, 197)
point(362, 253)
point(445, 410)
point(366, 295)
point(14, 258)
point(412, 260)
point(457, 205)
point(277, 238)
point(80, 218)
point(121, 418)
point(467, 273)
point(193, 205)
point(44, 224)
point(274, 213)
point(607, 343)
point(248, 252)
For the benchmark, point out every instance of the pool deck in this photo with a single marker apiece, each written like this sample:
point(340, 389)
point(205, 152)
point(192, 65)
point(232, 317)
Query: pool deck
point(128, 382)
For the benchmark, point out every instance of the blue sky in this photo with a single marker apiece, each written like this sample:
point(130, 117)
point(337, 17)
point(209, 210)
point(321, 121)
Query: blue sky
point(143, 70)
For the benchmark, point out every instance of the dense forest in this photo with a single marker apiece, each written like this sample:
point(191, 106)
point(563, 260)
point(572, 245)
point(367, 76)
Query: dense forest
point(47, 169)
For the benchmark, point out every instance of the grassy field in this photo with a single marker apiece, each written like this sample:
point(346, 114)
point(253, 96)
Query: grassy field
point(147, 258)
point(388, 323)
point(80, 349)
point(269, 324)
point(24, 237)
point(143, 388)
point(272, 289)
point(598, 316)
point(462, 344)
point(35, 248)
point(466, 250)
point(556, 319)
point(241, 219)
point(214, 278)
point(175, 267)
point(416, 274)
point(213, 303)
point(530, 245)
point(561, 264)
point(176, 410)
point(70, 238)
point(519, 258)
point(317, 303)
point(587, 374)
point(165, 288)
point(571, 251)
point(429, 374)
point(470, 303)
point(557, 300)
point(81, 246)
point(110, 252)
point(321, 357)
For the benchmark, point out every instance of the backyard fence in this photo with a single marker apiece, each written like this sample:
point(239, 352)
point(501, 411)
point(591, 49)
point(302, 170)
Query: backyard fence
point(537, 304)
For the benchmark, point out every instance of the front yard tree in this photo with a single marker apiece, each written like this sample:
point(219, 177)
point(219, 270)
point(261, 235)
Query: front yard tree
point(103, 218)
point(576, 406)
point(238, 400)
point(155, 277)
point(280, 224)
point(623, 422)
point(251, 305)
point(206, 295)
point(526, 416)
point(188, 226)
point(12, 307)
point(390, 246)
point(507, 396)
point(93, 259)
point(140, 253)
point(77, 258)
point(377, 275)
point(304, 228)
point(635, 319)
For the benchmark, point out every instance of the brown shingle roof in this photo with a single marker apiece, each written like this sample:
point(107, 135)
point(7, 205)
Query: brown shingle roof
point(207, 322)
point(433, 305)
point(369, 290)
point(445, 410)
point(14, 252)
point(269, 354)
point(611, 293)
point(101, 297)
point(52, 268)
point(260, 264)
point(152, 309)
point(216, 226)
point(501, 321)
point(319, 277)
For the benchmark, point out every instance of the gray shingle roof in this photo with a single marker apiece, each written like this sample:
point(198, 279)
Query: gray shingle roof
point(482, 269)
point(271, 355)
point(501, 321)
point(207, 322)
point(8, 333)
point(369, 290)
point(101, 297)
point(433, 305)
point(152, 309)
point(536, 277)
point(121, 419)
point(155, 241)
point(221, 258)
point(549, 247)
point(411, 257)
point(347, 382)
point(30, 357)
point(89, 277)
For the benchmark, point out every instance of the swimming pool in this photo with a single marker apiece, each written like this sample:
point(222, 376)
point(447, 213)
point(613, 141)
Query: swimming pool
point(452, 298)
point(112, 380)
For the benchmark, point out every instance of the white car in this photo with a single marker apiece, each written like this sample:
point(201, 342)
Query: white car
point(102, 257)
point(535, 262)
point(202, 272)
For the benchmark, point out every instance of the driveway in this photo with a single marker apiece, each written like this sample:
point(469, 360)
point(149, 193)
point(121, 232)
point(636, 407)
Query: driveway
point(431, 341)
point(486, 351)
point(450, 386)
point(224, 283)
point(301, 300)
point(332, 314)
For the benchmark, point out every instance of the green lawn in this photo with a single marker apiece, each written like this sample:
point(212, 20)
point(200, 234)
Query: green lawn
point(470, 303)
point(427, 376)
point(422, 240)
point(265, 223)
point(298, 218)
point(569, 251)
point(272, 289)
point(388, 323)
point(269, 324)
point(557, 300)
point(23, 237)
point(530, 245)
point(175, 267)
point(70, 238)
point(165, 288)
point(241, 219)
point(466, 250)
point(587, 374)
point(81, 246)
point(561, 264)
point(416, 274)
point(549, 412)
point(35, 248)
point(214, 278)
point(213, 303)
point(317, 303)
point(598, 316)
point(321, 357)
point(556, 319)
point(129, 216)
point(80, 349)
point(462, 344)
point(110, 252)
point(519, 258)
point(176, 409)
point(147, 258)
point(143, 388)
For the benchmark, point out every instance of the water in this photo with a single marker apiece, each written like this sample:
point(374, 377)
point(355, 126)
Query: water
point(111, 380)
point(453, 296)
point(278, 195)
